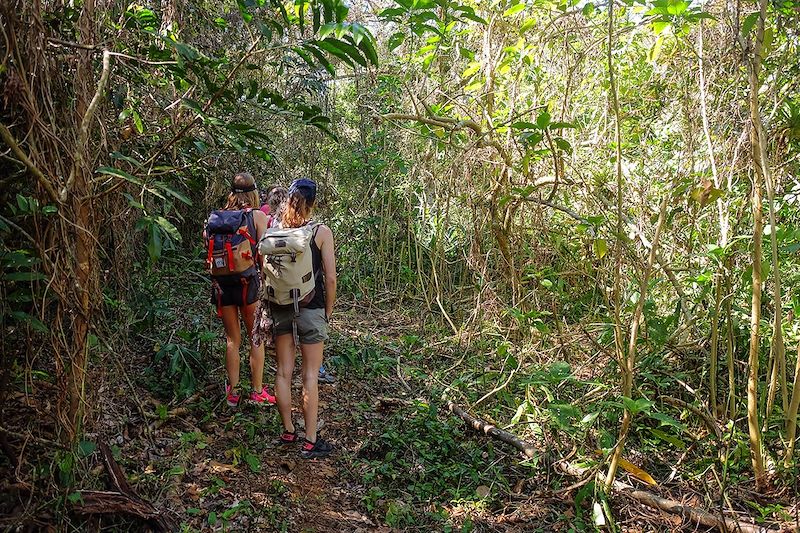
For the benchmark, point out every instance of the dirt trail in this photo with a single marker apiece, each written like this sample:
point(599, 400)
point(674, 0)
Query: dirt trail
point(232, 470)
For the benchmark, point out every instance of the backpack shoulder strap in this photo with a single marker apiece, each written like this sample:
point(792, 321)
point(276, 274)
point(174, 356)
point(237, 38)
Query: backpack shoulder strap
point(253, 231)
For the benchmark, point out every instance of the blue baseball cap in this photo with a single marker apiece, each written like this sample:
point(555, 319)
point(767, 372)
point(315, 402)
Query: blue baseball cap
point(306, 187)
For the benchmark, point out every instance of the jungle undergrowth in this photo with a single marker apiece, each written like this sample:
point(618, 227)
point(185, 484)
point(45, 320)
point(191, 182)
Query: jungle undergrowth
point(403, 460)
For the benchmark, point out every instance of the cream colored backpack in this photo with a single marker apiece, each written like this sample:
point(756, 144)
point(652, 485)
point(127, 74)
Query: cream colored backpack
point(288, 265)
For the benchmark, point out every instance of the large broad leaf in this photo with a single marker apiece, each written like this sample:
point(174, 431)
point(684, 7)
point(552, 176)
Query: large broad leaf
point(350, 50)
point(368, 47)
point(111, 171)
point(334, 50)
point(320, 57)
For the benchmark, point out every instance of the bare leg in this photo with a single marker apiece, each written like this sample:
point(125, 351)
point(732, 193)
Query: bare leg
point(312, 359)
point(284, 352)
point(256, 352)
point(233, 339)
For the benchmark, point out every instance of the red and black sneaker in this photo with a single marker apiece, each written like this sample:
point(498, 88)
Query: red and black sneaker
point(313, 450)
point(289, 437)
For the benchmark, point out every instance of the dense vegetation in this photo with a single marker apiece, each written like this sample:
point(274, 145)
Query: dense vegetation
point(576, 221)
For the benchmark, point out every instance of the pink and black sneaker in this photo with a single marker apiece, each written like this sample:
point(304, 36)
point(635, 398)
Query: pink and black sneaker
point(314, 450)
point(232, 396)
point(263, 398)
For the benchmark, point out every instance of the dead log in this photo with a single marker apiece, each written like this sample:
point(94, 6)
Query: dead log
point(692, 514)
point(122, 500)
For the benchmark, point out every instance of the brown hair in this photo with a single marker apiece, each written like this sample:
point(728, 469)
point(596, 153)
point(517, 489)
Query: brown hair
point(277, 196)
point(243, 200)
point(297, 210)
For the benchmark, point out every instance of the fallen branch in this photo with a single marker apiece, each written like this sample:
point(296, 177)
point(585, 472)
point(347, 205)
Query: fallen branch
point(504, 436)
point(693, 514)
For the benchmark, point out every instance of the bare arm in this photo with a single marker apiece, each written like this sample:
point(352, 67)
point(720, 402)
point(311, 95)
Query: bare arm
point(325, 243)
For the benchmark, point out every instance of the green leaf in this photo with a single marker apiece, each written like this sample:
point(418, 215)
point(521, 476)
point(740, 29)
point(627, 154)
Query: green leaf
point(563, 144)
point(22, 203)
point(368, 47)
point(334, 50)
point(666, 437)
point(111, 171)
point(320, 57)
point(137, 121)
point(358, 32)
point(170, 192)
point(640, 405)
point(395, 40)
point(659, 26)
point(749, 22)
point(350, 50)
point(326, 29)
point(253, 462)
point(122, 157)
point(86, 448)
point(600, 248)
point(168, 228)
point(543, 120)
point(475, 18)
point(472, 68)
point(654, 52)
point(513, 10)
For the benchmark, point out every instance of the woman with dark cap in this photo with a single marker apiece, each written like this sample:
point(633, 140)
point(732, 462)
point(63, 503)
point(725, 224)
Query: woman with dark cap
point(236, 293)
point(312, 325)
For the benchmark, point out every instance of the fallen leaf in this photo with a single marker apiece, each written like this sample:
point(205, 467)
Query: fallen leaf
point(637, 472)
point(216, 466)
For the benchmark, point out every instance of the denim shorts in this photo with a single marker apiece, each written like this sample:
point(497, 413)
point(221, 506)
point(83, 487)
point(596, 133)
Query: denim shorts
point(235, 289)
point(312, 326)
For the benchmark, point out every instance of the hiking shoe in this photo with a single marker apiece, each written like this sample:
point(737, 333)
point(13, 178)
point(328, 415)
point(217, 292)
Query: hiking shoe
point(289, 437)
point(312, 450)
point(262, 398)
point(232, 396)
point(325, 376)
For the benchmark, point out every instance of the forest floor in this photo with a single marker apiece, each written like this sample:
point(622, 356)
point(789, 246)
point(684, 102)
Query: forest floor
point(211, 467)
point(402, 461)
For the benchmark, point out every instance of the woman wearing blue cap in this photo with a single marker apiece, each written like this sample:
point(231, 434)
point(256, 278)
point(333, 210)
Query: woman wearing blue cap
point(312, 324)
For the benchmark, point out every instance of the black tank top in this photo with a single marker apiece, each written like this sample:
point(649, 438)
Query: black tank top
point(318, 301)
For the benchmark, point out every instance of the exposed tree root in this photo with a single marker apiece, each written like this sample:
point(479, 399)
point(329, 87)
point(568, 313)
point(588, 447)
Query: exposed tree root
point(693, 514)
point(122, 500)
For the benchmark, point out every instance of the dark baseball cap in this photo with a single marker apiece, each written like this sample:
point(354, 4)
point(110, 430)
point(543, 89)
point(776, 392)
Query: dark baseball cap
point(306, 187)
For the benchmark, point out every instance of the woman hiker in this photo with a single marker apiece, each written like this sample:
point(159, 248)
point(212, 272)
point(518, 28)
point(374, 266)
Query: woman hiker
point(236, 294)
point(312, 325)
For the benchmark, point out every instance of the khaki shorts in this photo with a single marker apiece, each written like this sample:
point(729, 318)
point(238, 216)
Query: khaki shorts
point(312, 327)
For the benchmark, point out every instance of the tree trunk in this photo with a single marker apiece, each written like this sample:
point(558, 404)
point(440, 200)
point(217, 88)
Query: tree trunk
point(791, 413)
point(758, 145)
